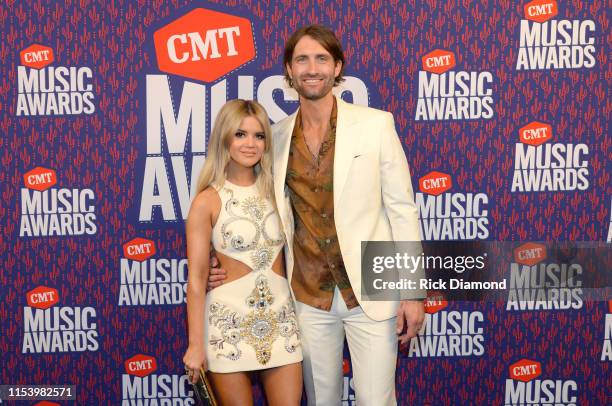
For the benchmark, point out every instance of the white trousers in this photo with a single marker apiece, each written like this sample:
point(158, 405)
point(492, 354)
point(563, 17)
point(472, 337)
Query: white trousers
point(372, 345)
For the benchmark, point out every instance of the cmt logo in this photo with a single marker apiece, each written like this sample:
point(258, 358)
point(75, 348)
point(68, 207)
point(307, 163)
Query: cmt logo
point(140, 365)
point(346, 366)
point(435, 183)
point(535, 133)
point(42, 297)
point(435, 302)
point(40, 179)
point(36, 56)
point(139, 249)
point(530, 254)
point(439, 61)
point(540, 10)
point(525, 370)
point(204, 45)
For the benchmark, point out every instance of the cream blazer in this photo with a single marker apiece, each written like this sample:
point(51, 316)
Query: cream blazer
point(373, 197)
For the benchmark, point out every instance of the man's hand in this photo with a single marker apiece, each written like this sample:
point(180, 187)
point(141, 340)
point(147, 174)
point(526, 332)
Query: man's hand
point(410, 317)
point(217, 275)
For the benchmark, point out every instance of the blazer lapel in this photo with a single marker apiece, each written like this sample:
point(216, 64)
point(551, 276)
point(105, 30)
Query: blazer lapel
point(282, 144)
point(343, 150)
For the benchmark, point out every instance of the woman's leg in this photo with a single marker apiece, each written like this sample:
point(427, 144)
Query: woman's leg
point(233, 389)
point(283, 385)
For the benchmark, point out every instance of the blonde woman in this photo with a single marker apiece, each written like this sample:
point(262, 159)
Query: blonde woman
point(249, 323)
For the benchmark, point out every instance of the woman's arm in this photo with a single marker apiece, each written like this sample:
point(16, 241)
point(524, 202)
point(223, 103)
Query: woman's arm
point(198, 233)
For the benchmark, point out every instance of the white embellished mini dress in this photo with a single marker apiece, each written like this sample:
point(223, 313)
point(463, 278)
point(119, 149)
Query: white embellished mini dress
point(250, 322)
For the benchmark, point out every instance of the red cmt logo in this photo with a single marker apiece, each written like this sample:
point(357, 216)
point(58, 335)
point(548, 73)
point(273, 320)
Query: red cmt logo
point(535, 133)
point(40, 178)
point(525, 370)
point(530, 254)
point(439, 61)
point(346, 366)
point(42, 297)
point(435, 183)
point(540, 10)
point(46, 403)
point(204, 45)
point(139, 249)
point(435, 302)
point(36, 56)
point(140, 365)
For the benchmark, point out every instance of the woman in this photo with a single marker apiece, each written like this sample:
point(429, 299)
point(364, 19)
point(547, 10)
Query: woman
point(247, 324)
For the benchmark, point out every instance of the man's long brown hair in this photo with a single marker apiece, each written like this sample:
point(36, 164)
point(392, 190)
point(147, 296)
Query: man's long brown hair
point(323, 36)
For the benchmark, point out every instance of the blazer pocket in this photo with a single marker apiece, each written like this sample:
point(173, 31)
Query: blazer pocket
point(362, 154)
point(366, 159)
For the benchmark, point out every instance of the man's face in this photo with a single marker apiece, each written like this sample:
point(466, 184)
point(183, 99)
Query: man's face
point(312, 69)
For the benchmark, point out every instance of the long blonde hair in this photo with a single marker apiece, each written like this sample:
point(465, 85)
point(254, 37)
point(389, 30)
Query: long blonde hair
point(217, 155)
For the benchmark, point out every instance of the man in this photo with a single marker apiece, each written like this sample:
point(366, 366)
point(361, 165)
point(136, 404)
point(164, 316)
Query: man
point(340, 178)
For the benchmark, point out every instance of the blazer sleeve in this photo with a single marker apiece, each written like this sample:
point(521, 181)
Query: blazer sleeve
point(398, 200)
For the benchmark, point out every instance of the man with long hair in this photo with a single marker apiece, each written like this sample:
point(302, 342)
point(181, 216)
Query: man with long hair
point(348, 181)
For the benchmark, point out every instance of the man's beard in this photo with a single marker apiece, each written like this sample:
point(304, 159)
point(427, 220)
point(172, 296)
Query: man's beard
point(328, 84)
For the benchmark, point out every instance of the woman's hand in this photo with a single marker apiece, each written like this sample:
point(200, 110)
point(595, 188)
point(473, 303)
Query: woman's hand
point(194, 359)
point(216, 274)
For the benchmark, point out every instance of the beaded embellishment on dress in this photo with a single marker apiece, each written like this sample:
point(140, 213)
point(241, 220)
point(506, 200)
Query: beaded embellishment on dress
point(258, 328)
point(254, 214)
point(251, 322)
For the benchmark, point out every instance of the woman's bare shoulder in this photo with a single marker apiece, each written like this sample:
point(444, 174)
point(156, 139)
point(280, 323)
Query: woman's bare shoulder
point(207, 203)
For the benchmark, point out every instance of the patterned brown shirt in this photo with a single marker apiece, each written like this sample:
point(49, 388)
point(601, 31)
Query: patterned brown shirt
point(318, 266)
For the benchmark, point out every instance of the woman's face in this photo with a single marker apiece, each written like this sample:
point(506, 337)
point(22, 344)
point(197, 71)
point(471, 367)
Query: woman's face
point(248, 143)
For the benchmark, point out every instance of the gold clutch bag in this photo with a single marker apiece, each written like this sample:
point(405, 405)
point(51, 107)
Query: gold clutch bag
point(203, 391)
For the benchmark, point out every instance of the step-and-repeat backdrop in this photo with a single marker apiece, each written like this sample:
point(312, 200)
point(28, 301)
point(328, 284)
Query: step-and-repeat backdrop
point(106, 107)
